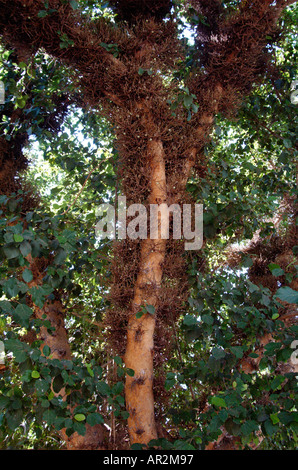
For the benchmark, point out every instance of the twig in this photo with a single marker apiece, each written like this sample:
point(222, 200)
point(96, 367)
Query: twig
point(87, 320)
point(180, 356)
point(82, 188)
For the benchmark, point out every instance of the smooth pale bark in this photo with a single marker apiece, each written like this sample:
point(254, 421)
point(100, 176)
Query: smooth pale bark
point(140, 331)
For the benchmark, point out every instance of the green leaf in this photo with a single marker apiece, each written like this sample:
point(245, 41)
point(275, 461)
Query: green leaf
point(4, 402)
point(18, 238)
point(254, 355)
point(60, 256)
point(233, 428)
point(42, 387)
point(22, 314)
point(18, 349)
point(139, 314)
point(39, 294)
point(79, 417)
point(58, 383)
point(90, 371)
point(276, 382)
point(286, 294)
point(12, 287)
point(270, 428)
point(59, 423)
point(141, 71)
point(249, 426)
point(187, 101)
point(287, 143)
point(14, 419)
point(6, 307)
point(16, 404)
point(208, 319)
point(11, 252)
point(120, 399)
point(272, 348)
point(137, 446)
point(285, 417)
point(27, 275)
point(150, 309)
point(117, 388)
point(74, 4)
point(183, 445)
point(46, 350)
point(238, 351)
point(21, 101)
point(218, 353)
point(94, 418)
point(118, 360)
point(223, 415)
point(35, 374)
point(213, 364)
point(276, 270)
point(120, 372)
point(25, 248)
point(189, 320)
point(274, 418)
point(219, 402)
point(42, 13)
point(252, 287)
point(80, 428)
point(130, 372)
point(103, 388)
point(49, 416)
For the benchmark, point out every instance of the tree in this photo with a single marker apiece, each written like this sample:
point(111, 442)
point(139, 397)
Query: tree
point(162, 99)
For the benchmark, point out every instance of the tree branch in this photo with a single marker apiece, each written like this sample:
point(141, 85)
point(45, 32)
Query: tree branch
point(67, 35)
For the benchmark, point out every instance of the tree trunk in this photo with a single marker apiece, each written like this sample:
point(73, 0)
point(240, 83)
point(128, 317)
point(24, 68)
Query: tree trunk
point(140, 331)
point(58, 339)
point(58, 343)
point(60, 349)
